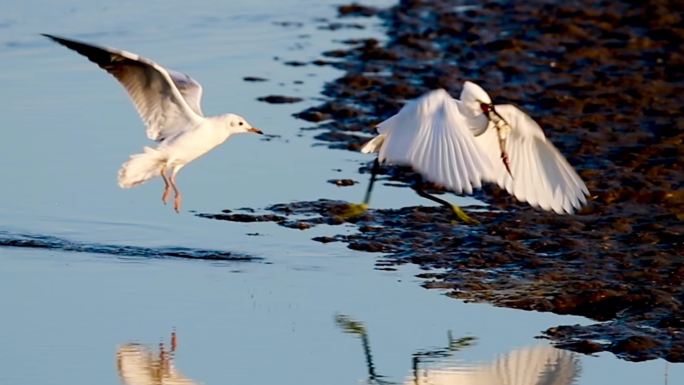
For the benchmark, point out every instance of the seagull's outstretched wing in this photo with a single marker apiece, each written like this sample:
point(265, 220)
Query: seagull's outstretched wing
point(159, 97)
point(430, 135)
point(190, 89)
point(137, 365)
point(540, 174)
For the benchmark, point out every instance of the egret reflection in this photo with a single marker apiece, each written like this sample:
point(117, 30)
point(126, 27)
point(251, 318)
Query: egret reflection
point(139, 365)
point(535, 365)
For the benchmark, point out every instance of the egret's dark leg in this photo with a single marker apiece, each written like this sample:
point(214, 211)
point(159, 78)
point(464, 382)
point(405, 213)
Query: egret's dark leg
point(417, 187)
point(356, 209)
point(374, 173)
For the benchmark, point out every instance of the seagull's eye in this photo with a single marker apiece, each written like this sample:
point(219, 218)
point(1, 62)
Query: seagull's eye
point(240, 123)
point(484, 107)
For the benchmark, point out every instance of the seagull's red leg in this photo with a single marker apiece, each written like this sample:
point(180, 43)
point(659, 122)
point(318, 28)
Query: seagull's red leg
point(178, 198)
point(174, 341)
point(167, 186)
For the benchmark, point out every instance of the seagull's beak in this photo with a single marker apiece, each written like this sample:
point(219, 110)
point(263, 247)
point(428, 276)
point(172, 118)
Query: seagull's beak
point(256, 131)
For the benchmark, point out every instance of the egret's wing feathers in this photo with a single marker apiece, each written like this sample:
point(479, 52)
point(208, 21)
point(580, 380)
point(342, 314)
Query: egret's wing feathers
point(374, 144)
point(538, 365)
point(154, 92)
point(540, 174)
point(430, 135)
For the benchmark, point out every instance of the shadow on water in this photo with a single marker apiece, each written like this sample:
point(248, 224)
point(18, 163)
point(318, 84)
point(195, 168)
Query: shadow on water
point(138, 365)
point(32, 241)
point(535, 365)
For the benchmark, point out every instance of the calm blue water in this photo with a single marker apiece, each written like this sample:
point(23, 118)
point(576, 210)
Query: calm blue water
point(67, 128)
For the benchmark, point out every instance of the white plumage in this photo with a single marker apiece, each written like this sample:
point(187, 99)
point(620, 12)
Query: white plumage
point(138, 365)
point(538, 365)
point(430, 135)
point(461, 143)
point(169, 104)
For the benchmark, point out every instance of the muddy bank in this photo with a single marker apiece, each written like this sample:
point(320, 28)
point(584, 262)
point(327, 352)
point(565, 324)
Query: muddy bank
point(606, 82)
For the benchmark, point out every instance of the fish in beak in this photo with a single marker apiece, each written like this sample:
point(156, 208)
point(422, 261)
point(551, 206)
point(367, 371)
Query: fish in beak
point(502, 130)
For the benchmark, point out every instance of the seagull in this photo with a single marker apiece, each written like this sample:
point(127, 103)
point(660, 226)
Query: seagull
point(169, 104)
point(139, 365)
point(459, 144)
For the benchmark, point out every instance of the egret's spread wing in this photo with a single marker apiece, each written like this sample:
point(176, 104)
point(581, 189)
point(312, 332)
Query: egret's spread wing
point(528, 366)
point(430, 135)
point(540, 174)
point(374, 144)
point(154, 93)
point(190, 89)
point(537, 365)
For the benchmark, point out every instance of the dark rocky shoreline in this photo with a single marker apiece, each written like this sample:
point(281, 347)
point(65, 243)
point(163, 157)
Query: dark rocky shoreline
point(606, 82)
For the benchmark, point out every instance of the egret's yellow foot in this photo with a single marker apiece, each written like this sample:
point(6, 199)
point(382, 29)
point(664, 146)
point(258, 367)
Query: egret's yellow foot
point(354, 210)
point(463, 216)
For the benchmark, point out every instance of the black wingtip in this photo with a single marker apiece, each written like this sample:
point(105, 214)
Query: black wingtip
point(54, 38)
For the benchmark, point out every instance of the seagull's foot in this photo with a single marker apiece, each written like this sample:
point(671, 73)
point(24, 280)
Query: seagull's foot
point(463, 216)
point(177, 204)
point(353, 210)
point(165, 196)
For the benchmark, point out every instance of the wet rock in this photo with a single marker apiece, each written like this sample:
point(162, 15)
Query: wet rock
point(342, 182)
point(279, 99)
point(355, 9)
point(338, 26)
point(635, 344)
point(254, 79)
point(312, 115)
point(324, 239)
point(294, 63)
point(243, 217)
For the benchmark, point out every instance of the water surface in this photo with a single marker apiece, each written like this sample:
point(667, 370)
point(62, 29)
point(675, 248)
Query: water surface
point(69, 306)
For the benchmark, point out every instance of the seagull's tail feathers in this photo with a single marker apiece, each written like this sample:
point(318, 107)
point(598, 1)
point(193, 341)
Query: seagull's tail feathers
point(141, 167)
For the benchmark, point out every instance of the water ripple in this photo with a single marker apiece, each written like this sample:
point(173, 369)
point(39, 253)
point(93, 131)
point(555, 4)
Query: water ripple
point(8, 239)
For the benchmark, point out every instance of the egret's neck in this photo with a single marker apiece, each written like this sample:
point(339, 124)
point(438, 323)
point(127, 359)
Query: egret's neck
point(476, 120)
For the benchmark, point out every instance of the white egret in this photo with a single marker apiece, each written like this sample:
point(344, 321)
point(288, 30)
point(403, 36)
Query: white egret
point(535, 365)
point(169, 104)
point(459, 144)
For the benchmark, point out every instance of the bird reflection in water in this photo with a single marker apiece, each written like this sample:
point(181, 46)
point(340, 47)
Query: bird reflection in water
point(139, 365)
point(537, 365)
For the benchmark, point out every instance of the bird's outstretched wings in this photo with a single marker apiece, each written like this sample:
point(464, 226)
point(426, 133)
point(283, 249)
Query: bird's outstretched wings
point(540, 175)
point(429, 134)
point(138, 365)
point(190, 89)
point(168, 102)
point(527, 366)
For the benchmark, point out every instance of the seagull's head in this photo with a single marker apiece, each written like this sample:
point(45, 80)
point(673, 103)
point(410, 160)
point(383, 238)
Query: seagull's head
point(237, 124)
